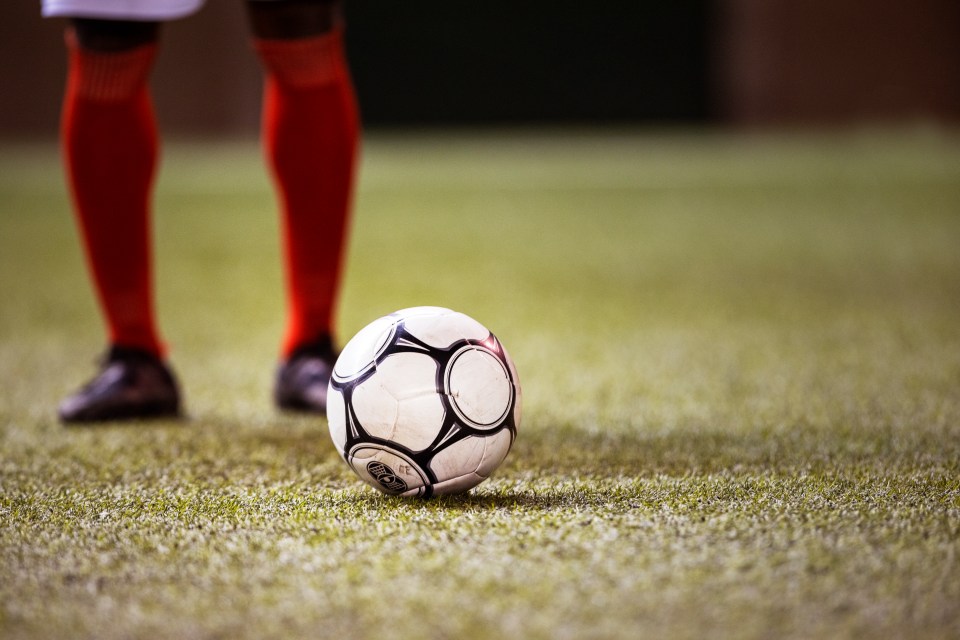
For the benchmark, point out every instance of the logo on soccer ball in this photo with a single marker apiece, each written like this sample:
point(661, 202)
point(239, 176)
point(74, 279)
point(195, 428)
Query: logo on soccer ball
point(386, 477)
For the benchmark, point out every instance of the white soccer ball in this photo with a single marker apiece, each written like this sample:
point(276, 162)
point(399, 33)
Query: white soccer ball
point(424, 401)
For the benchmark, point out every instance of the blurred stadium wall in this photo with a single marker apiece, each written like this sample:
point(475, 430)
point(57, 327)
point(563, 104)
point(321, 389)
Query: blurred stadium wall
point(428, 62)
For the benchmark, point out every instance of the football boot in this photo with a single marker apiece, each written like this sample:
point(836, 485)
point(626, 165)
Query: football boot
point(302, 379)
point(132, 384)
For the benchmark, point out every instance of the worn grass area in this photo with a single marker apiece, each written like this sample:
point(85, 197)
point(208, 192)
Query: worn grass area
point(741, 365)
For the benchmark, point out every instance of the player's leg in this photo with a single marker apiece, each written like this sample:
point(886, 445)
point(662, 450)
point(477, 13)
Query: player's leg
point(310, 131)
point(110, 145)
point(109, 140)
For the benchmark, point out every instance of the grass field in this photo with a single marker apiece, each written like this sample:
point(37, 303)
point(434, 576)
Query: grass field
point(740, 358)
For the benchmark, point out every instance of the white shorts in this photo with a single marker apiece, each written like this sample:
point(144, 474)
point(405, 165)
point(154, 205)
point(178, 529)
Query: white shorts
point(122, 9)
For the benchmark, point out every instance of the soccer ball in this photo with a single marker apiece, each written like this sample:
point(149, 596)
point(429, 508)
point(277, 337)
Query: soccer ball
point(423, 402)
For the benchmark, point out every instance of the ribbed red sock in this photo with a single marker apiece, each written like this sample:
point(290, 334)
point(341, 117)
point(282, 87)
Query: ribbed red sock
point(110, 147)
point(310, 127)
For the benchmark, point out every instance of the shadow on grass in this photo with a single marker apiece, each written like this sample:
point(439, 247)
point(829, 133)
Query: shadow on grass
point(298, 450)
point(572, 452)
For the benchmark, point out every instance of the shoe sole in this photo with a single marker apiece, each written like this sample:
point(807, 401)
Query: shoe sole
point(140, 412)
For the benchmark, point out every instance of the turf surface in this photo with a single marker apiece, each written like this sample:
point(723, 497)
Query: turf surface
point(741, 365)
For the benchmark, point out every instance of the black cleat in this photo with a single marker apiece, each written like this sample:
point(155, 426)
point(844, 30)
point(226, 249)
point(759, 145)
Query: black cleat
point(132, 384)
point(302, 379)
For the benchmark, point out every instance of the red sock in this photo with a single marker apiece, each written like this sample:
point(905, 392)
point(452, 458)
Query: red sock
point(110, 146)
point(310, 127)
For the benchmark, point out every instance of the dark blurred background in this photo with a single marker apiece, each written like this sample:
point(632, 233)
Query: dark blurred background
point(427, 62)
